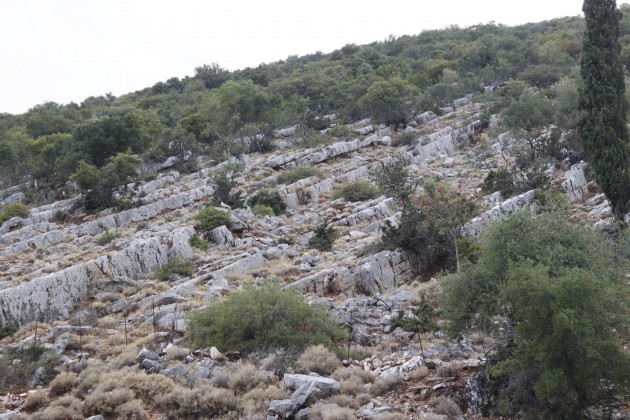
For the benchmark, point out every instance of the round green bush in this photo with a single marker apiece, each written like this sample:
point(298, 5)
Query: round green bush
point(269, 198)
point(263, 318)
point(210, 218)
point(356, 191)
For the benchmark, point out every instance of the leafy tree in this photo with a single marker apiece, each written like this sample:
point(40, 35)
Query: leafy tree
point(390, 101)
point(560, 288)
point(393, 178)
point(262, 318)
point(99, 184)
point(224, 182)
point(430, 226)
point(237, 103)
point(527, 118)
point(103, 138)
point(603, 127)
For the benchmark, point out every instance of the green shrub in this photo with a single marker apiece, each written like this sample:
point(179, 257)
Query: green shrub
point(262, 210)
point(196, 242)
point(210, 218)
point(561, 291)
point(175, 267)
point(7, 330)
point(106, 238)
point(293, 175)
point(269, 198)
point(324, 237)
point(261, 318)
point(13, 210)
point(356, 191)
point(16, 375)
point(393, 178)
point(406, 138)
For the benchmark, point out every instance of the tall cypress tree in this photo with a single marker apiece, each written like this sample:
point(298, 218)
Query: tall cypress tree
point(603, 127)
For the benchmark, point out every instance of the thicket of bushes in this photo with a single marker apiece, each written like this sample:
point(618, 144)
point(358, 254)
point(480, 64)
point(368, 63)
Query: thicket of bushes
point(263, 318)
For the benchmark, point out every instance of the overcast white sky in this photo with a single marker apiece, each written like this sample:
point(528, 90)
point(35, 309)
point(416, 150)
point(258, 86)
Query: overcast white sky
point(67, 50)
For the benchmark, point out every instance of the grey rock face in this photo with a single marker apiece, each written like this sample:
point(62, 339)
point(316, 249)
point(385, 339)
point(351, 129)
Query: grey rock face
point(282, 409)
point(575, 183)
point(222, 237)
point(54, 295)
point(474, 227)
point(328, 386)
point(478, 393)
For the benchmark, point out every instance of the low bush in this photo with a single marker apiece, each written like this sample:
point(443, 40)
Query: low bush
point(200, 402)
point(16, 375)
point(196, 242)
point(445, 406)
point(244, 377)
point(324, 237)
point(210, 218)
point(34, 401)
point(64, 408)
point(356, 191)
point(13, 210)
point(262, 210)
point(259, 318)
point(173, 268)
point(269, 198)
point(106, 238)
point(293, 175)
point(7, 330)
point(406, 138)
point(63, 383)
point(318, 359)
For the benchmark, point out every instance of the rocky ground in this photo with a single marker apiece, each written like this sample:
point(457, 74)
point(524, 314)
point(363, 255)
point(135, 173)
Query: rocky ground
point(84, 284)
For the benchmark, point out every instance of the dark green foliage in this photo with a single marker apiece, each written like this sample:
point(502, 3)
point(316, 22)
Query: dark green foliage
point(356, 191)
point(501, 180)
point(422, 320)
point(13, 210)
point(430, 226)
point(293, 175)
point(106, 238)
point(174, 268)
point(99, 184)
point(261, 318)
point(262, 210)
point(210, 218)
point(393, 178)
point(511, 183)
point(196, 242)
point(269, 198)
point(560, 288)
point(390, 100)
point(103, 138)
point(406, 138)
point(324, 237)
point(15, 376)
point(224, 182)
point(7, 330)
point(527, 117)
point(604, 106)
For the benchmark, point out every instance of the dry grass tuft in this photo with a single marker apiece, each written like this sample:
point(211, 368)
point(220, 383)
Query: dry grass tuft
point(445, 406)
point(63, 383)
point(34, 401)
point(318, 359)
point(331, 412)
point(243, 377)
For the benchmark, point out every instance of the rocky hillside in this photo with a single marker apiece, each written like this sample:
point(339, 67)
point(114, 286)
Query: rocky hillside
point(86, 285)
